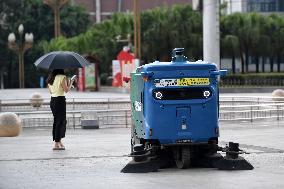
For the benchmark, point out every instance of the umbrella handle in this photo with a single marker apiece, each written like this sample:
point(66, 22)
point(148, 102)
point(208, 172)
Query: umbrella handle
point(73, 77)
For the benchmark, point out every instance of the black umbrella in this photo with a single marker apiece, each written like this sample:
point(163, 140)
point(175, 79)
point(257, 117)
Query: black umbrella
point(61, 60)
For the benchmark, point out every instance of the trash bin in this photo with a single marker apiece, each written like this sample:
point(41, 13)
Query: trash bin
point(89, 120)
point(90, 124)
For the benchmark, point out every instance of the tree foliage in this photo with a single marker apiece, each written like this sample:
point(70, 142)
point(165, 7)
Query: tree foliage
point(162, 29)
point(248, 36)
point(166, 28)
point(258, 36)
point(244, 36)
point(38, 19)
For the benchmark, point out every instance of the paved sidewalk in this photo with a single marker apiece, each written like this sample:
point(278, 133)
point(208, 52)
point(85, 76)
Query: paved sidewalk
point(26, 94)
point(94, 158)
point(113, 93)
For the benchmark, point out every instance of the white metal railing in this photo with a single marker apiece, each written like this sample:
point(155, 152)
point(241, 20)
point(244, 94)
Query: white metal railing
point(251, 112)
point(249, 100)
point(23, 105)
point(117, 111)
point(105, 118)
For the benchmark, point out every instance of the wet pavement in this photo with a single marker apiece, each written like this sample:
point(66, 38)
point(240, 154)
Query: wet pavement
point(94, 158)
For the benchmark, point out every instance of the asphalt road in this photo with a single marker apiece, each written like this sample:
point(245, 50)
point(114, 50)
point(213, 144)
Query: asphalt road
point(94, 158)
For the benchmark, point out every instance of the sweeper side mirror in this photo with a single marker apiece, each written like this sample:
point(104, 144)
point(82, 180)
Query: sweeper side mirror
point(220, 73)
point(223, 73)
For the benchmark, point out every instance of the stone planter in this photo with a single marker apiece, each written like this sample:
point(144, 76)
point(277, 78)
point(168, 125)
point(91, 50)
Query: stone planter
point(36, 100)
point(10, 125)
point(278, 93)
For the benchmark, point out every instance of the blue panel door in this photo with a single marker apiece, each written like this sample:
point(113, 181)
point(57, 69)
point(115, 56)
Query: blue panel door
point(183, 119)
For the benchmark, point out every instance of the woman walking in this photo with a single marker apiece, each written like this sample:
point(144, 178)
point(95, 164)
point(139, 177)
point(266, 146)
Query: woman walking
point(58, 85)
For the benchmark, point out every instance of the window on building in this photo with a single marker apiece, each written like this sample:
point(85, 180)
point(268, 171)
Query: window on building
point(265, 5)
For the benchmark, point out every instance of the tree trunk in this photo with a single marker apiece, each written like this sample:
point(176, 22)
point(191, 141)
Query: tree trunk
point(263, 64)
point(242, 61)
point(233, 64)
point(271, 62)
point(11, 71)
point(278, 62)
point(257, 64)
point(246, 61)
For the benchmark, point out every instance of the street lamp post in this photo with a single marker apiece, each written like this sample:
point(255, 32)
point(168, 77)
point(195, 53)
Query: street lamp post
point(56, 6)
point(21, 46)
point(137, 28)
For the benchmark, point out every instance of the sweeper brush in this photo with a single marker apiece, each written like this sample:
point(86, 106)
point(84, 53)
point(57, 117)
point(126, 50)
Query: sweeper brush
point(232, 160)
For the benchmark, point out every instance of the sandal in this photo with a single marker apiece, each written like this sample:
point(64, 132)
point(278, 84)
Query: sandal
point(58, 148)
point(61, 145)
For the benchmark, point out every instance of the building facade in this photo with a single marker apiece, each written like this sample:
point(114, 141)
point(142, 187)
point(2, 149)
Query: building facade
point(100, 10)
point(261, 6)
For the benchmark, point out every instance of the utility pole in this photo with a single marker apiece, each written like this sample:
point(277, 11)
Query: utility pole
point(211, 32)
point(56, 6)
point(98, 11)
point(119, 6)
point(137, 29)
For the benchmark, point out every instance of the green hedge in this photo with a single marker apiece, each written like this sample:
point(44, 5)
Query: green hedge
point(265, 79)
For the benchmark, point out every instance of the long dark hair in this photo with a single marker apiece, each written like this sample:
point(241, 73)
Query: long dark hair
point(51, 75)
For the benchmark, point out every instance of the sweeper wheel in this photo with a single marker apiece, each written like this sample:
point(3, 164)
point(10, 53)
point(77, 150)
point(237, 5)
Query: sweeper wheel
point(182, 157)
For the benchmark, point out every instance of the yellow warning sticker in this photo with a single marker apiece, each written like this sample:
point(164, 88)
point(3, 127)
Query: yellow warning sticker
point(193, 81)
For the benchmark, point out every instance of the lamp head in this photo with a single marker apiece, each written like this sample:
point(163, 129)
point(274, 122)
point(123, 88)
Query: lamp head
point(29, 37)
point(11, 38)
point(21, 29)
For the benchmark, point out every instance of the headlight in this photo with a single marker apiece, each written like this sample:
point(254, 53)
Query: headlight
point(206, 94)
point(158, 95)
